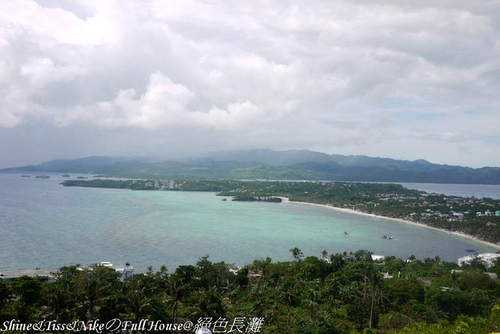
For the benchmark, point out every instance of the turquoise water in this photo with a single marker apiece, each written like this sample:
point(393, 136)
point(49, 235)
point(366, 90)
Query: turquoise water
point(46, 225)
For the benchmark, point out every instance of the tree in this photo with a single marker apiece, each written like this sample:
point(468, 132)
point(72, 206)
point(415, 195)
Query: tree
point(28, 289)
point(324, 254)
point(470, 279)
point(405, 290)
point(297, 254)
point(4, 293)
point(94, 285)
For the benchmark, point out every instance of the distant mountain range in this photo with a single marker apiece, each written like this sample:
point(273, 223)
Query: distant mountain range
point(275, 165)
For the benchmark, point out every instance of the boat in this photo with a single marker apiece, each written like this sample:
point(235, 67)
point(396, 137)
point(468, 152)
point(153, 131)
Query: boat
point(224, 199)
point(346, 233)
point(470, 250)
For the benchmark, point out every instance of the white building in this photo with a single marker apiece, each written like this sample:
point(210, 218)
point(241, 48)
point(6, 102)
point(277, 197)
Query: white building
point(487, 258)
point(126, 271)
point(377, 257)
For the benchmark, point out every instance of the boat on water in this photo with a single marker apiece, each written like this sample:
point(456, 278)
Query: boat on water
point(345, 233)
point(470, 250)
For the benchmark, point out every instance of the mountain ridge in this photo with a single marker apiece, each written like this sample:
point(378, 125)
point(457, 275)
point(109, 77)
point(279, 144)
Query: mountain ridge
point(274, 165)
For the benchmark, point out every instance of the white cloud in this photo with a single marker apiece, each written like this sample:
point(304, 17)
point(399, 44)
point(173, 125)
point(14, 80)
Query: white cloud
point(164, 104)
point(336, 74)
point(56, 25)
point(42, 71)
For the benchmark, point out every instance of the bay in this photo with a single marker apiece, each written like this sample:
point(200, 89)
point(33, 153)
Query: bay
point(462, 190)
point(45, 225)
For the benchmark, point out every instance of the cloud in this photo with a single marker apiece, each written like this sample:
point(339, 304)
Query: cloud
point(336, 75)
point(164, 104)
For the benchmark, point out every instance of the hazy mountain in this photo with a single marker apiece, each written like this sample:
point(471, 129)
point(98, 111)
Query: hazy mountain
point(276, 165)
point(293, 157)
point(270, 157)
point(81, 165)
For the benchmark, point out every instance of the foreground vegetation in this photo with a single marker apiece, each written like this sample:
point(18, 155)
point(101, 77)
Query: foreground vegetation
point(338, 293)
point(477, 217)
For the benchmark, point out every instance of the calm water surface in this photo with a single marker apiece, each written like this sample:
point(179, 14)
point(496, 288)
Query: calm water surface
point(463, 190)
point(46, 225)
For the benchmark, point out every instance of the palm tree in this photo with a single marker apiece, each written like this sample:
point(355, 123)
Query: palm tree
point(261, 303)
point(95, 285)
point(324, 254)
point(137, 306)
point(296, 254)
point(311, 301)
point(176, 289)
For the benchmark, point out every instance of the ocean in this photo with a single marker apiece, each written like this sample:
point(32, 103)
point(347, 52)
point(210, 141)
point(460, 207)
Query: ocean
point(45, 225)
point(462, 190)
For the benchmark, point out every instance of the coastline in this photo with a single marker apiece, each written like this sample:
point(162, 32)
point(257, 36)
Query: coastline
point(470, 237)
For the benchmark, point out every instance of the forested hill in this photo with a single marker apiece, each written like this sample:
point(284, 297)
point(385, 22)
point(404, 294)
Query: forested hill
point(276, 165)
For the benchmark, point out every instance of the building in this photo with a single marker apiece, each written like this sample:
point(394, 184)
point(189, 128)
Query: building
point(377, 257)
point(487, 258)
point(126, 271)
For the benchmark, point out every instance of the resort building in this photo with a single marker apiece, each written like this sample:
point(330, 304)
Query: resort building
point(487, 258)
point(377, 257)
point(125, 271)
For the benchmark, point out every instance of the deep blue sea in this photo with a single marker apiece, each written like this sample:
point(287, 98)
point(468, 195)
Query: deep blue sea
point(45, 225)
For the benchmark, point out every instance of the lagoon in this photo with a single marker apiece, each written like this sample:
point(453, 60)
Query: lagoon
point(45, 225)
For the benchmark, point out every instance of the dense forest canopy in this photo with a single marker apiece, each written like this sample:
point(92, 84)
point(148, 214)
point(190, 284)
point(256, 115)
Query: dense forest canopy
point(333, 293)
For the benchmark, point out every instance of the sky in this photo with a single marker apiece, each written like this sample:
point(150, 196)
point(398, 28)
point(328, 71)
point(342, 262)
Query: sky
point(398, 79)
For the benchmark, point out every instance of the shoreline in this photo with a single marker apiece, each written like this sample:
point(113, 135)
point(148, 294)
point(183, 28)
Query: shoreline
point(351, 211)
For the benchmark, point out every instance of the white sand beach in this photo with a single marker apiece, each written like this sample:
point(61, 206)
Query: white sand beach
point(396, 219)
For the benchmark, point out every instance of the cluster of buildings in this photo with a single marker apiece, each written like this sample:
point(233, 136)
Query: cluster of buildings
point(488, 259)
